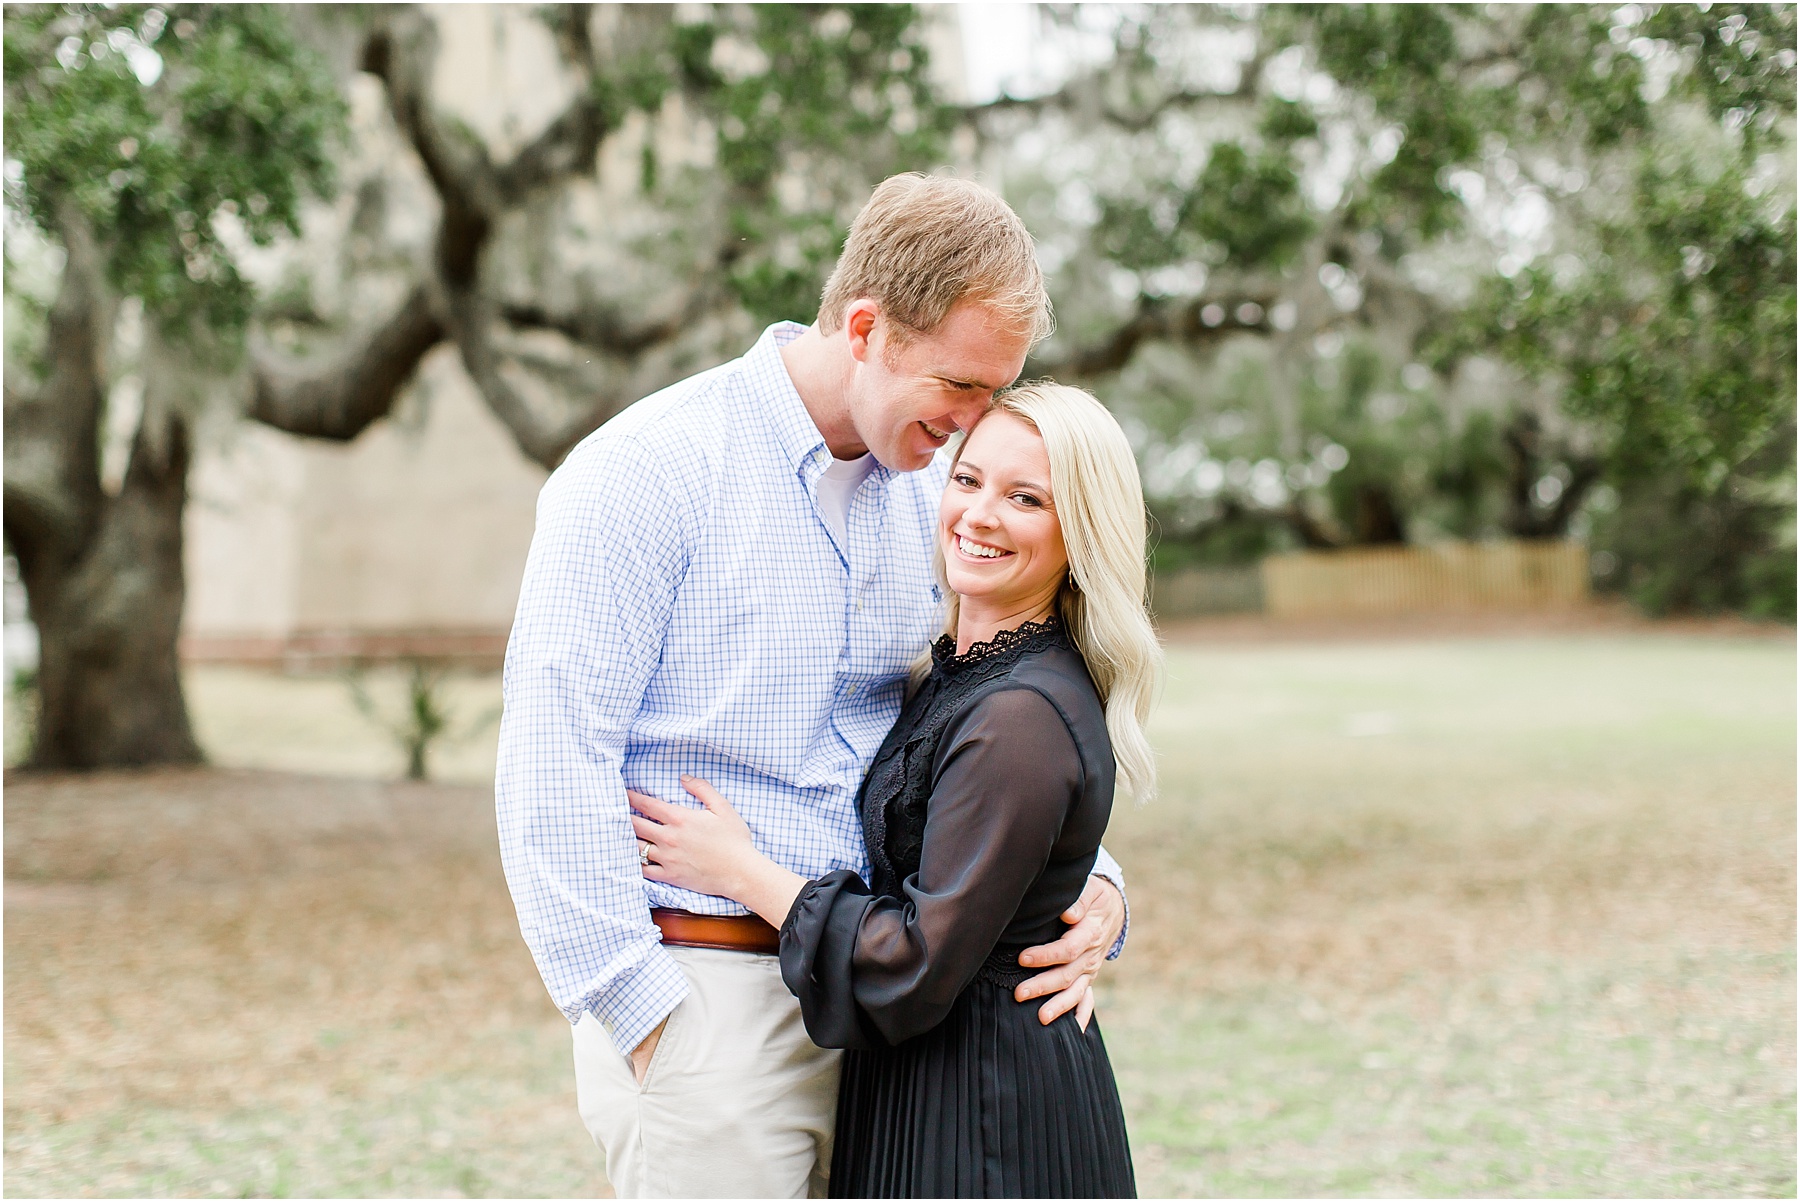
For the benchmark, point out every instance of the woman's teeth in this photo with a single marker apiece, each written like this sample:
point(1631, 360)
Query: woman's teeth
point(976, 549)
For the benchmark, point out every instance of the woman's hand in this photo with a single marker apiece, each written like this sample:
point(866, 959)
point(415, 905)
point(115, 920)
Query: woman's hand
point(703, 850)
point(710, 851)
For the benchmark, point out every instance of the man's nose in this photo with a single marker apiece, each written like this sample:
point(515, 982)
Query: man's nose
point(968, 412)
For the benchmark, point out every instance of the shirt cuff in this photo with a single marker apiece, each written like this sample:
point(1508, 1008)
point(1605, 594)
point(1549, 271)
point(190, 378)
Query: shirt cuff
point(1108, 870)
point(634, 1002)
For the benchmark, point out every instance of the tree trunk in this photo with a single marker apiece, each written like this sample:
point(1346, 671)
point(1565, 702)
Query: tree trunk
point(1529, 454)
point(103, 574)
point(109, 684)
point(1377, 518)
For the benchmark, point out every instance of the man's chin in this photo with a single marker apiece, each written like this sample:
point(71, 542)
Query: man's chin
point(908, 459)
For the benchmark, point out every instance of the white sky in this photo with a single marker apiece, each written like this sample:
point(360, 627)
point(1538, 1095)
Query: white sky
point(1007, 48)
point(996, 46)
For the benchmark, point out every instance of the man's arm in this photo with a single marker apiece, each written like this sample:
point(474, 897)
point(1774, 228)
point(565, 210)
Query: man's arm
point(594, 606)
point(1098, 922)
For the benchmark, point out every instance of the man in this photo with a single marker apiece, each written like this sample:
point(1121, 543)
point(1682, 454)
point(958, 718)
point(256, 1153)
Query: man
point(731, 579)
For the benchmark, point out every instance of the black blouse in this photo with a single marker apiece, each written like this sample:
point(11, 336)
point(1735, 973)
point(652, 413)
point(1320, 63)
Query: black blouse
point(982, 812)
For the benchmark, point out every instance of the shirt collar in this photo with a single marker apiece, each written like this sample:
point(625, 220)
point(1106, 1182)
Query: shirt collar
point(795, 434)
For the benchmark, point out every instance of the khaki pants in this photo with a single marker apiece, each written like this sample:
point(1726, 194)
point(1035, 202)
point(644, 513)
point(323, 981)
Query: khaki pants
point(737, 1102)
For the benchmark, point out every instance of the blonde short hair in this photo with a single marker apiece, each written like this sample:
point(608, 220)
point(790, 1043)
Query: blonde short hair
point(1103, 604)
point(924, 242)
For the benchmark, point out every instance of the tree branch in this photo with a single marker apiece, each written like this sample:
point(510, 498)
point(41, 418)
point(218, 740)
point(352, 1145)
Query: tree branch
point(1526, 452)
point(52, 489)
point(1085, 94)
point(340, 397)
point(475, 194)
point(568, 146)
point(400, 51)
point(1315, 533)
point(473, 189)
point(543, 440)
point(605, 330)
point(1584, 473)
point(1157, 319)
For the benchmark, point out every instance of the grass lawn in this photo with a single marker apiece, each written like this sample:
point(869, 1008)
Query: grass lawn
point(1498, 916)
point(1466, 917)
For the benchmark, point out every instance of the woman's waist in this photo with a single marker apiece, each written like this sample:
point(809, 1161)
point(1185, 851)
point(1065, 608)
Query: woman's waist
point(1002, 967)
point(987, 1004)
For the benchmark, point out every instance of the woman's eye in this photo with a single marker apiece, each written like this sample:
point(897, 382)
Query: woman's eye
point(964, 480)
point(1027, 500)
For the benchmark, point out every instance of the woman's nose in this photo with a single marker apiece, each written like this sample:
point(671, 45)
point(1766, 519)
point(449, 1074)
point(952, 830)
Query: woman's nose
point(980, 511)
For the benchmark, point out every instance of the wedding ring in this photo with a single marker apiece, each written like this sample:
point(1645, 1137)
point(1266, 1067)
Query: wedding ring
point(643, 855)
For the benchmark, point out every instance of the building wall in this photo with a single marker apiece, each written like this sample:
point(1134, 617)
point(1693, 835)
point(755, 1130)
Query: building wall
point(421, 523)
point(241, 529)
point(411, 539)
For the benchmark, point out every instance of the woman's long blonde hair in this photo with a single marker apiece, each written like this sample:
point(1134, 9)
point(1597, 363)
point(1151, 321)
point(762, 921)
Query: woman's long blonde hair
point(1100, 505)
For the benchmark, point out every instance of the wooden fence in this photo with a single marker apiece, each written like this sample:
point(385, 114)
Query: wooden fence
point(1447, 576)
point(1196, 591)
point(333, 650)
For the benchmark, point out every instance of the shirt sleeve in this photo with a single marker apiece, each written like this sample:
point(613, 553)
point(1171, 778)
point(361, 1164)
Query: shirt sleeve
point(878, 970)
point(1107, 869)
point(600, 582)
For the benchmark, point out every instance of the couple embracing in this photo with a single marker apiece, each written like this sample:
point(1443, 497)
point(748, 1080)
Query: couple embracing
point(798, 874)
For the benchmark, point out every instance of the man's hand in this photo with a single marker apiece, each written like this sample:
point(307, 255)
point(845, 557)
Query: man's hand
point(640, 1055)
point(1095, 922)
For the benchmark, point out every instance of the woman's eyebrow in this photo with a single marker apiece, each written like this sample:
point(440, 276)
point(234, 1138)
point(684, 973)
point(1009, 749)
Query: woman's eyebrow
point(1032, 485)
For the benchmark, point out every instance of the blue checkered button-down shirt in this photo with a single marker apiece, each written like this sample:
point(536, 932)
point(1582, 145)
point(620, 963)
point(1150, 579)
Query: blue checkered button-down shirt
point(685, 609)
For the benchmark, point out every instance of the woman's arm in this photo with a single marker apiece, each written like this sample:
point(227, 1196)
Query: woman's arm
point(1007, 773)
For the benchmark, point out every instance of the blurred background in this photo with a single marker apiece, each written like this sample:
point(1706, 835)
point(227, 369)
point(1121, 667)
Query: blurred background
point(1457, 345)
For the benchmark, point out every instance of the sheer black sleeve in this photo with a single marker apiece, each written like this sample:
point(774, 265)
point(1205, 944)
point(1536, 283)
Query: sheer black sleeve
point(870, 970)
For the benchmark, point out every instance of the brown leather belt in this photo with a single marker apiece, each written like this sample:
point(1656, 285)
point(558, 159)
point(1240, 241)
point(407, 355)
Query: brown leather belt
point(747, 933)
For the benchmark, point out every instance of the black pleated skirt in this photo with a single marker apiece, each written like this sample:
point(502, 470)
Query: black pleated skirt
point(988, 1104)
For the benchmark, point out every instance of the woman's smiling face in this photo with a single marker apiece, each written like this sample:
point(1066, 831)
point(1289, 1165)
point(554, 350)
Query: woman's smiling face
point(1003, 544)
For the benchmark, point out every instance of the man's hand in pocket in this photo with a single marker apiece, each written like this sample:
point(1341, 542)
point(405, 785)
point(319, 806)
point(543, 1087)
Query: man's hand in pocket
point(640, 1055)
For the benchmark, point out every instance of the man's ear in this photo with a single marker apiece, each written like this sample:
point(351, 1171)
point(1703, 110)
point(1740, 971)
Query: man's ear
point(860, 320)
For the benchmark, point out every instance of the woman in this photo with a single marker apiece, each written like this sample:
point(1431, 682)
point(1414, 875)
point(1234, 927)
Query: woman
point(982, 812)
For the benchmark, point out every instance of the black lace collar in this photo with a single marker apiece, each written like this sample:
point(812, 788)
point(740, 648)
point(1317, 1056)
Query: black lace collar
point(1028, 636)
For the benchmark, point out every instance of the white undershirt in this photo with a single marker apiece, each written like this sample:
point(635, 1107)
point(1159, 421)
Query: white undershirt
point(836, 488)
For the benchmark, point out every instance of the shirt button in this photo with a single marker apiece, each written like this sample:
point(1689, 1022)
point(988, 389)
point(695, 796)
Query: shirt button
point(859, 603)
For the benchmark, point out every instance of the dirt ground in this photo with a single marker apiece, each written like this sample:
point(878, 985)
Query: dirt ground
point(1416, 914)
point(232, 983)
